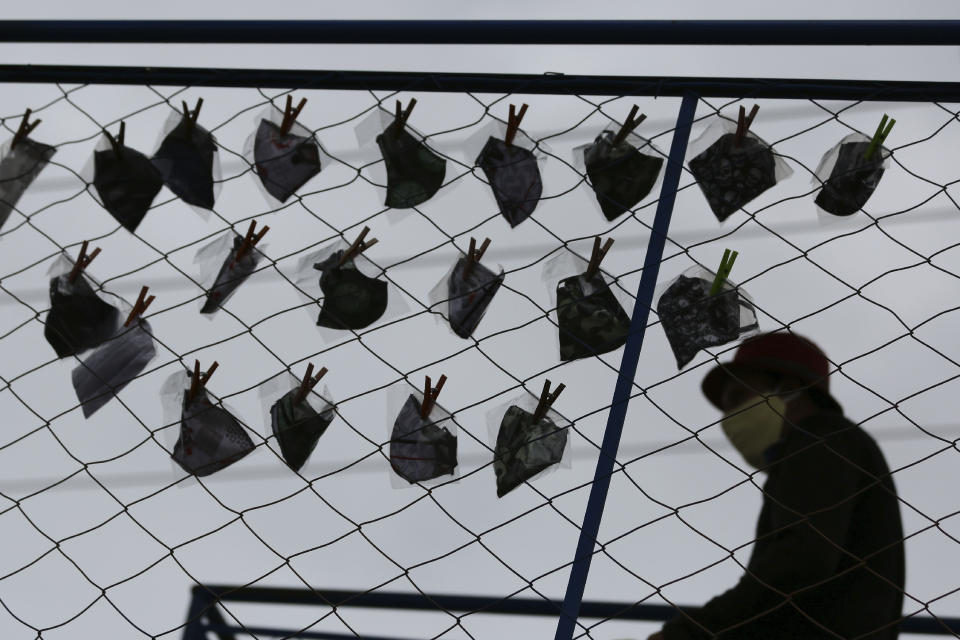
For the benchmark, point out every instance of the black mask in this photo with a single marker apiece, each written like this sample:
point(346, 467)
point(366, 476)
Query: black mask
point(591, 319)
point(284, 162)
point(230, 277)
point(414, 173)
point(351, 300)
point(18, 169)
point(297, 427)
point(210, 438)
point(470, 296)
point(525, 448)
point(185, 162)
point(419, 449)
point(621, 176)
point(692, 319)
point(852, 181)
point(78, 319)
point(127, 183)
point(112, 365)
point(514, 177)
point(731, 176)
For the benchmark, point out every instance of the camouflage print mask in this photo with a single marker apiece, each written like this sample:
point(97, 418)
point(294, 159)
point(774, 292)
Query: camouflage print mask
point(470, 296)
point(185, 162)
point(591, 319)
point(210, 438)
point(852, 181)
point(284, 163)
point(514, 177)
point(297, 427)
point(127, 182)
point(525, 448)
point(414, 173)
point(621, 176)
point(231, 276)
point(18, 169)
point(419, 449)
point(78, 318)
point(351, 300)
point(731, 176)
point(692, 319)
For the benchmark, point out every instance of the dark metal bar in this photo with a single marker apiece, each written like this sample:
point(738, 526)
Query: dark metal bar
point(628, 369)
point(559, 84)
point(490, 605)
point(556, 32)
point(287, 633)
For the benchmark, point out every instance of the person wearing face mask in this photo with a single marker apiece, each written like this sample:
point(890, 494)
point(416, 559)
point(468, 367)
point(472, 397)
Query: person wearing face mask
point(828, 557)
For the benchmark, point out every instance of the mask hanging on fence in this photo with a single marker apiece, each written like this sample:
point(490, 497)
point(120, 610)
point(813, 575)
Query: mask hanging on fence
point(126, 181)
point(351, 300)
point(420, 449)
point(525, 447)
point(853, 177)
point(754, 425)
point(78, 318)
point(298, 427)
point(21, 163)
point(514, 177)
point(620, 174)
point(470, 293)
point(414, 173)
point(590, 317)
point(185, 161)
point(284, 162)
point(240, 262)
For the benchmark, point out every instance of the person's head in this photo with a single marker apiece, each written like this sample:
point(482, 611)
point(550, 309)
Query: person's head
point(774, 380)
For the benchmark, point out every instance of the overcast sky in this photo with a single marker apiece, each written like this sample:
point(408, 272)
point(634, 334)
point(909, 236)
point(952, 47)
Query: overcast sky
point(109, 494)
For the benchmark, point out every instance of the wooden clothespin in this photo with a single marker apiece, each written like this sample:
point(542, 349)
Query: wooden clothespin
point(401, 117)
point(82, 261)
point(198, 381)
point(546, 400)
point(117, 143)
point(140, 306)
point(24, 129)
point(883, 130)
point(723, 272)
point(290, 115)
point(629, 125)
point(513, 123)
point(191, 118)
point(474, 255)
point(430, 395)
point(309, 382)
point(359, 246)
point(744, 122)
point(597, 256)
point(249, 241)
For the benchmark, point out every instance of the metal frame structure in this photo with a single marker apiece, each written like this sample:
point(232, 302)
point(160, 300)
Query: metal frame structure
point(203, 615)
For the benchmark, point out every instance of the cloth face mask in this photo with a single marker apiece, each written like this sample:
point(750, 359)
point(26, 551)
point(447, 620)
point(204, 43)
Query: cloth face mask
point(755, 424)
point(414, 173)
point(127, 182)
point(514, 177)
point(285, 162)
point(351, 300)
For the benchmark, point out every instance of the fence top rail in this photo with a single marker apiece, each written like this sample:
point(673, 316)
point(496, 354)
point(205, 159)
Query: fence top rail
point(550, 83)
point(541, 32)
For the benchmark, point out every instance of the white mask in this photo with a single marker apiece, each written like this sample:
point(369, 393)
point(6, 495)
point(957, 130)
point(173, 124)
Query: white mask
point(755, 424)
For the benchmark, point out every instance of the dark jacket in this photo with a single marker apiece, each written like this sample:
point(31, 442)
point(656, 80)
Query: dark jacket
point(841, 567)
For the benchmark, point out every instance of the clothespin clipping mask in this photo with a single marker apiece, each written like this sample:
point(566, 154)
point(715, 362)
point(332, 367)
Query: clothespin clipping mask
point(546, 400)
point(359, 246)
point(474, 255)
point(723, 272)
point(401, 117)
point(191, 117)
point(430, 395)
point(140, 306)
point(249, 241)
point(597, 256)
point(513, 123)
point(744, 122)
point(309, 382)
point(117, 143)
point(290, 115)
point(198, 381)
point(629, 125)
point(883, 130)
point(82, 261)
point(24, 129)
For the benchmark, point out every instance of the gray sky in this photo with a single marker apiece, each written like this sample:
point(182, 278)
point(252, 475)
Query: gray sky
point(120, 535)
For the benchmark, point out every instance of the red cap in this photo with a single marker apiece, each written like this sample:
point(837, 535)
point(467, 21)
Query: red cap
point(786, 353)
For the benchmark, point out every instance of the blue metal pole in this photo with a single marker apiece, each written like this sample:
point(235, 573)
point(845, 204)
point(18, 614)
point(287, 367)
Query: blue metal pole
point(628, 370)
point(543, 32)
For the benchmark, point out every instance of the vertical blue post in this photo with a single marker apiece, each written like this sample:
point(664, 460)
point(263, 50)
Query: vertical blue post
point(628, 370)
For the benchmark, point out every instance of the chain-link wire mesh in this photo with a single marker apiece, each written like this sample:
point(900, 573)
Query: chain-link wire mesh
point(103, 535)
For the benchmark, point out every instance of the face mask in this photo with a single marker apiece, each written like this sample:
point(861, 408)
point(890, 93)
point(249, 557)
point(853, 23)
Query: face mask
point(590, 318)
point(285, 162)
point(514, 177)
point(351, 300)
point(755, 424)
point(621, 176)
point(185, 162)
point(127, 182)
point(414, 173)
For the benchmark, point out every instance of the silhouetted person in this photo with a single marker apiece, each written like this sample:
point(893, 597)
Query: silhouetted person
point(828, 559)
